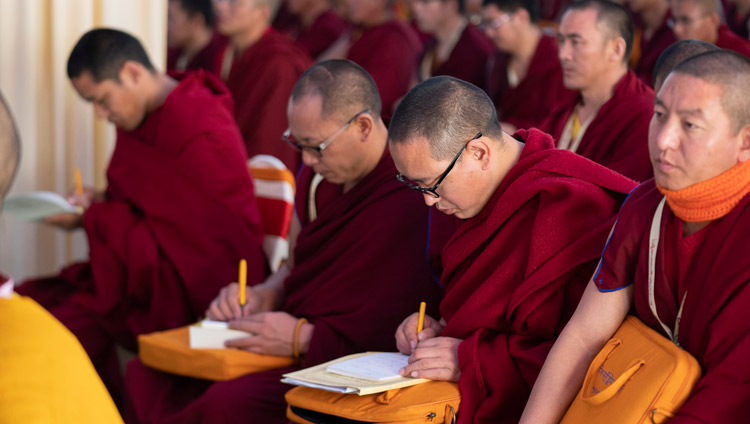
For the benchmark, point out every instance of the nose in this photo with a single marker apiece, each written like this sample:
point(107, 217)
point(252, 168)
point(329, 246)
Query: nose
point(563, 51)
point(666, 135)
point(309, 158)
point(100, 111)
point(429, 199)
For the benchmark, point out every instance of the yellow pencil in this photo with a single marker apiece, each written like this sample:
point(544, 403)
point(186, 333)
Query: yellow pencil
point(243, 281)
point(79, 181)
point(420, 323)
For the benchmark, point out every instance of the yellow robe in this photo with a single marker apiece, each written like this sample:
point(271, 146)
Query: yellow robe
point(45, 375)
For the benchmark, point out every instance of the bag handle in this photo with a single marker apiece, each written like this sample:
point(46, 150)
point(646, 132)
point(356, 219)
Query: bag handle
point(615, 387)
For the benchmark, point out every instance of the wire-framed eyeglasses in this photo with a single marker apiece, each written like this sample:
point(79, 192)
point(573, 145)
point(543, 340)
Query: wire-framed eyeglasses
point(432, 191)
point(318, 149)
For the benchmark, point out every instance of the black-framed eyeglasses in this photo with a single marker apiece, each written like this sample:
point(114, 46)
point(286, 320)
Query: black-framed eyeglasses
point(432, 191)
point(318, 150)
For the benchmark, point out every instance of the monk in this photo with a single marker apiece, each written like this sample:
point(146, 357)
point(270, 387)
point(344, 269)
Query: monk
point(609, 122)
point(526, 78)
point(676, 54)
point(260, 67)
point(654, 35)
point(386, 47)
point(456, 47)
point(738, 17)
point(700, 143)
point(319, 25)
point(178, 213)
point(701, 20)
point(191, 40)
point(357, 260)
point(45, 374)
point(514, 271)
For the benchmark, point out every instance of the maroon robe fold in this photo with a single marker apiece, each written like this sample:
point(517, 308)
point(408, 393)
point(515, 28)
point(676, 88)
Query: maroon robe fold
point(326, 29)
point(389, 52)
point(261, 81)
point(180, 214)
point(205, 59)
point(731, 41)
point(618, 136)
point(715, 323)
point(515, 272)
point(468, 60)
point(529, 103)
point(650, 50)
point(359, 269)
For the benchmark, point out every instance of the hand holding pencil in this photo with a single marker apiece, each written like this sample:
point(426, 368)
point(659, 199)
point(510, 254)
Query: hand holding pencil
point(416, 328)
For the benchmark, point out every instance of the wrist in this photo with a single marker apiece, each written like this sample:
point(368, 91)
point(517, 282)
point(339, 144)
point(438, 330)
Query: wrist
point(304, 337)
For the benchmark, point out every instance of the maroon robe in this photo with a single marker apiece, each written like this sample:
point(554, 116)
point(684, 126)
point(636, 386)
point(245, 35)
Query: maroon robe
point(731, 41)
point(715, 323)
point(529, 103)
point(651, 49)
point(468, 60)
point(359, 269)
point(550, 10)
point(515, 272)
point(389, 52)
point(261, 81)
point(618, 136)
point(740, 25)
point(179, 215)
point(326, 29)
point(205, 59)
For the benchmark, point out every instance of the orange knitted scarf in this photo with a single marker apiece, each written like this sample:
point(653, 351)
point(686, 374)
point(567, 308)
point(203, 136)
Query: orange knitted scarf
point(711, 199)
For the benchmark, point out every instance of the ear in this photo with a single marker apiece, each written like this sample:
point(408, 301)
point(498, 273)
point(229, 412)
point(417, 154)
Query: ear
point(265, 13)
point(132, 72)
point(522, 15)
point(618, 49)
point(365, 124)
point(715, 20)
point(479, 150)
point(744, 144)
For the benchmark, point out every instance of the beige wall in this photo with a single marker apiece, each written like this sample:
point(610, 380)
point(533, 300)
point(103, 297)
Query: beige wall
point(58, 130)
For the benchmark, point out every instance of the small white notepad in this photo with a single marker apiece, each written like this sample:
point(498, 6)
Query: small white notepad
point(382, 366)
point(209, 334)
point(37, 205)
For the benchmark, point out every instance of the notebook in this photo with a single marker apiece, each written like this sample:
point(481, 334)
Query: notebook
point(361, 373)
point(37, 205)
point(209, 334)
point(379, 366)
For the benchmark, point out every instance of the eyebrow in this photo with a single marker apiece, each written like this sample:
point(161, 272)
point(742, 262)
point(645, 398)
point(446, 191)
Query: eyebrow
point(571, 35)
point(691, 112)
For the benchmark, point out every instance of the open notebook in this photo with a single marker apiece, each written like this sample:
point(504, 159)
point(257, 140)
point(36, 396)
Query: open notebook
point(361, 373)
point(37, 205)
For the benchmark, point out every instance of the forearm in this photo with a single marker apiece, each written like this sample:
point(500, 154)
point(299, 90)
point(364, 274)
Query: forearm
point(559, 380)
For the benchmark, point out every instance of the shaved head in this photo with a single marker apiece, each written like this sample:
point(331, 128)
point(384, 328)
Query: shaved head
point(731, 72)
point(10, 148)
point(103, 51)
point(706, 6)
point(446, 112)
point(344, 87)
point(611, 17)
point(676, 54)
point(510, 6)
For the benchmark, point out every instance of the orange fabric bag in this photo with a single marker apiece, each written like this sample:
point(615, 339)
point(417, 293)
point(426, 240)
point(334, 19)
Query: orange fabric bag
point(170, 351)
point(639, 376)
point(434, 402)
